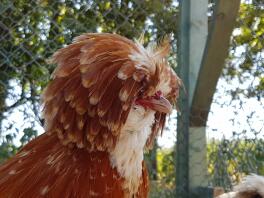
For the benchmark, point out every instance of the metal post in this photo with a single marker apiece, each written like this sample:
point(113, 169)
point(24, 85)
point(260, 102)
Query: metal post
point(191, 147)
point(197, 135)
point(182, 154)
point(199, 70)
point(205, 74)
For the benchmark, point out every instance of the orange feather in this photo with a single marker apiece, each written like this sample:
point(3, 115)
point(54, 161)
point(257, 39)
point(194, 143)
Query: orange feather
point(86, 105)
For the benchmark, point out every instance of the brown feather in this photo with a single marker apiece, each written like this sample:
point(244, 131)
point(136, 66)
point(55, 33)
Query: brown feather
point(54, 87)
point(102, 59)
point(91, 76)
point(101, 79)
point(52, 171)
point(126, 70)
point(71, 86)
point(66, 67)
point(126, 90)
point(113, 117)
point(110, 96)
point(106, 78)
point(95, 126)
point(91, 110)
point(81, 100)
point(94, 86)
point(163, 49)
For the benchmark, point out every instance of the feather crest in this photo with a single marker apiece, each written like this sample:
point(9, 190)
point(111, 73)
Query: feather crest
point(98, 78)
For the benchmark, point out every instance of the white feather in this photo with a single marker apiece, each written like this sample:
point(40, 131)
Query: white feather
point(143, 58)
point(127, 156)
point(164, 86)
point(228, 195)
point(251, 184)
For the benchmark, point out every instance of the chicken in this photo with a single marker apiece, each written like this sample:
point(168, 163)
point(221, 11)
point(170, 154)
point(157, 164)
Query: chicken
point(252, 186)
point(106, 103)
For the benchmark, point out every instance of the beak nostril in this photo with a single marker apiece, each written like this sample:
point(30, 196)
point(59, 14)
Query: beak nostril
point(158, 95)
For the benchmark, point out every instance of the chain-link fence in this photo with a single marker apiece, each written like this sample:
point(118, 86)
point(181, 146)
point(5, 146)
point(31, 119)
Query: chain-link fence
point(235, 124)
point(31, 31)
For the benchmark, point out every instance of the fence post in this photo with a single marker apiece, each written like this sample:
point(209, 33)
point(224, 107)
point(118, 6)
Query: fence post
point(182, 150)
point(197, 135)
point(191, 146)
point(200, 69)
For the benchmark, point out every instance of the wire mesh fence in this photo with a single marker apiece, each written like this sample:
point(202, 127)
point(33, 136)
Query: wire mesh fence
point(235, 132)
point(31, 31)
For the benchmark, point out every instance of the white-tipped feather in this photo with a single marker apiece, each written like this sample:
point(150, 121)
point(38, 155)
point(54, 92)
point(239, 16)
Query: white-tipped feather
point(164, 85)
point(121, 75)
point(251, 183)
point(250, 187)
point(143, 58)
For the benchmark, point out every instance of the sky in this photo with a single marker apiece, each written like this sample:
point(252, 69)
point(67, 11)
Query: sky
point(226, 117)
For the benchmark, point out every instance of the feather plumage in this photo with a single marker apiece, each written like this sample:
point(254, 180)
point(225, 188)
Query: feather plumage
point(106, 67)
point(250, 187)
point(87, 104)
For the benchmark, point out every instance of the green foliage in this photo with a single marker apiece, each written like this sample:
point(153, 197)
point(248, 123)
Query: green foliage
point(151, 161)
point(164, 186)
point(7, 147)
point(230, 160)
point(166, 166)
point(31, 31)
point(246, 53)
point(28, 135)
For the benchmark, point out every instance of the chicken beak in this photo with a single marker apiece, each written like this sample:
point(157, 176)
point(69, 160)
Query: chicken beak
point(161, 104)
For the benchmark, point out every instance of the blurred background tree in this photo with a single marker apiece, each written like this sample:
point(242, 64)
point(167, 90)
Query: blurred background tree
point(246, 52)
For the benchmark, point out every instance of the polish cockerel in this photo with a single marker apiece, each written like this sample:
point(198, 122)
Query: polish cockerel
point(106, 102)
